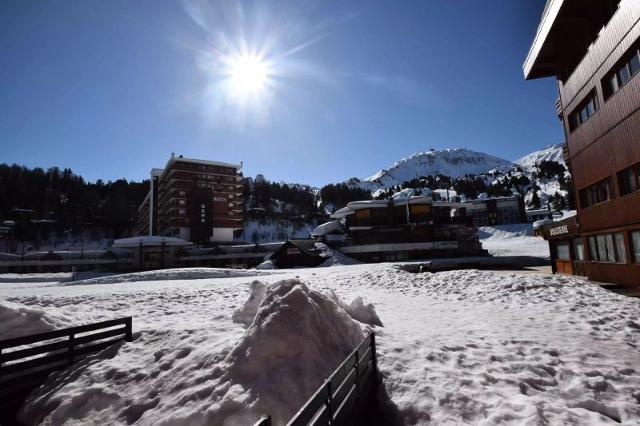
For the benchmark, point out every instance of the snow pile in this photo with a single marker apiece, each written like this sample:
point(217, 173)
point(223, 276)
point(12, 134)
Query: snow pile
point(18, 320)
point(51, 277)
point(34, 278)
point(266, 265)
point(334, 257)
point(246, 315)
point(171, 274)
point(513, 240)
point(296, 339)
point(358, 310)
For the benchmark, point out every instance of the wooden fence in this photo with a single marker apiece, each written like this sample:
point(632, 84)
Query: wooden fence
point(25, 362)
point(336, 401)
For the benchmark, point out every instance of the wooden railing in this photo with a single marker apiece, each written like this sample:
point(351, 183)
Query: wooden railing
point(25, 362)
point(335, 402)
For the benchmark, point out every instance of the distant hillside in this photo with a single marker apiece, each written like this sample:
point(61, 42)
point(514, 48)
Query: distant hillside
point(454, 163)
point(550, 153)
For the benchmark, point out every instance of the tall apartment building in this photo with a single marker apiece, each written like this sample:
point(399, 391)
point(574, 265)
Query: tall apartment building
point(195, 200)
point(592, 48)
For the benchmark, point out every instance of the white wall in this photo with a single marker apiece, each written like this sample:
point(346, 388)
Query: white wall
point(222, 235)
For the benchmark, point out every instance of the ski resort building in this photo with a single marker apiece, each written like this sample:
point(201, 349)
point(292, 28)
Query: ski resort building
point(194, 200)
point(414, 227)
point(592, 48)
point(496, 211)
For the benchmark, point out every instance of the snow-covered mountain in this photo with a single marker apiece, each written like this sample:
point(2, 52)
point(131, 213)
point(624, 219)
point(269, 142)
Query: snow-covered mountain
point(455, 163)
point(550, 153)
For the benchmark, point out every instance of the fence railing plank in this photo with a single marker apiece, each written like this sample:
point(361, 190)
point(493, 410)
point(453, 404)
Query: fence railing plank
point(24, 368)
point(335, 400)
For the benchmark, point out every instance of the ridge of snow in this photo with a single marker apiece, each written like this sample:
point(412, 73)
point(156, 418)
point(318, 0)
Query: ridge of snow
point(549, 153)
point(453, 162)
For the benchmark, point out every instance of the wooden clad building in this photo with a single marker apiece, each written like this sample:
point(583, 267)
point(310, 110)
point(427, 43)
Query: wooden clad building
point(592, 48)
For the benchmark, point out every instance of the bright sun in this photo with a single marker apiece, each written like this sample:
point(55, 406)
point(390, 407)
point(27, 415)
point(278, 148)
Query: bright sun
point(248, 75)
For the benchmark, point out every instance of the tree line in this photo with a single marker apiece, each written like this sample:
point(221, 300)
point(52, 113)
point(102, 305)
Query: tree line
point(39, 202)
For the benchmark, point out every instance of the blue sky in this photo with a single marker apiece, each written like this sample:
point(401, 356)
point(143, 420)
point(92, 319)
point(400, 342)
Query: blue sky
point(111, 88)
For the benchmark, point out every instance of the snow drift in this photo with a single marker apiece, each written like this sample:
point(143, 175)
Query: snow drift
point(171, 274)
point(19, 320)
point(296, 339)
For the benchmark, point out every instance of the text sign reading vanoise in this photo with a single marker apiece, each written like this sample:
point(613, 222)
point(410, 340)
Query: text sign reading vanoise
point(559, 230)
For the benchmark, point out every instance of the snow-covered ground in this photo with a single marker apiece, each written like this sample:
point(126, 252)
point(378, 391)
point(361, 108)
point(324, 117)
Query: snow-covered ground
point(460, 347)
point(513, 240)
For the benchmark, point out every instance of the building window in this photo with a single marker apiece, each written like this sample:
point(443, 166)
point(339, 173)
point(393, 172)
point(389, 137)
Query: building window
point(563, 252)
point(635, 243)
point(182, 211)
point(622, 73)
point(629, 180)
point(621, 252)
point(578, 248)
point(181, 202)
point(419, 209)
point(363, 214)
point(580, 115)
point(608, 248)
point(596, 194)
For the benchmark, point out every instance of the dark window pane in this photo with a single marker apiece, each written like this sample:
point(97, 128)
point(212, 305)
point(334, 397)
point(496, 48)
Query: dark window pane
point(634, 64)
point(632, 181)
point(611, 85)
point(591, 108)
point(583, 115)
point(563, 251)
point(624, 75)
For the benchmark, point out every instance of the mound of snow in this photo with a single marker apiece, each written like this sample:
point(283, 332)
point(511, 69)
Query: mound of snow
point(297, 338)
point(246, 315)
point(172, 274)
point(266, 265)
point(19, 320)
point(358, 310)
point(334, 257)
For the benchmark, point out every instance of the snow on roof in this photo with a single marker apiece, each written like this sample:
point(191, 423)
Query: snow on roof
point(175, 158)
point(368, 204)
point(328, 228)
point(150, 240)
point(342, 213)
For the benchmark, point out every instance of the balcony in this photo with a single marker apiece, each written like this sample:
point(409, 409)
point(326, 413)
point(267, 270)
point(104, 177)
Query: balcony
point(559, 108)
point(567, 29)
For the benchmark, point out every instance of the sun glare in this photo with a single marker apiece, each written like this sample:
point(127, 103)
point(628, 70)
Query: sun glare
point(248, 75)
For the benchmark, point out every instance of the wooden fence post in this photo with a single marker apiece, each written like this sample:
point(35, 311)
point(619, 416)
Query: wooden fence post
point(71, 348)
point(129, 336)
point(329, 400)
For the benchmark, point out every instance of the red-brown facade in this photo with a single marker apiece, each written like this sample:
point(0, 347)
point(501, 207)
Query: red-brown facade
point(599, 105)
point(195, 200)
